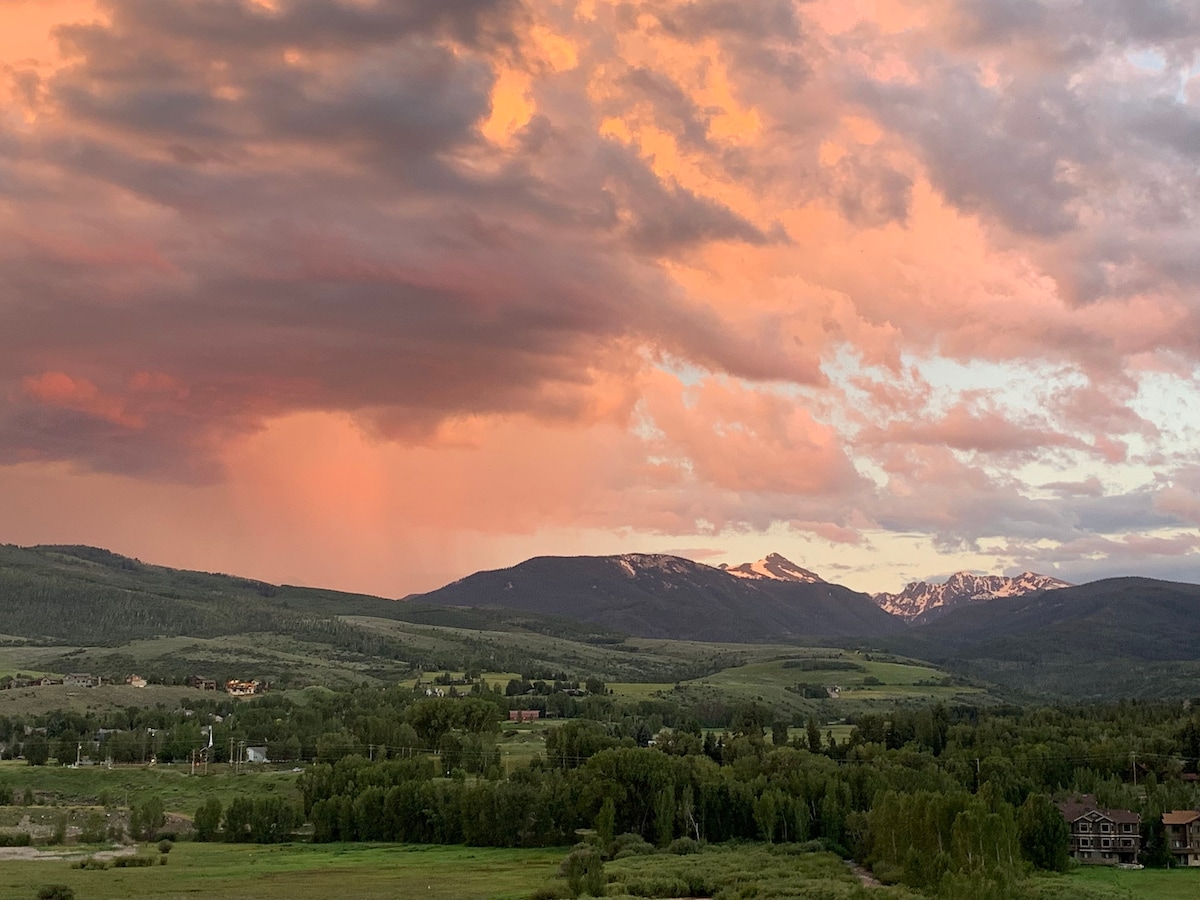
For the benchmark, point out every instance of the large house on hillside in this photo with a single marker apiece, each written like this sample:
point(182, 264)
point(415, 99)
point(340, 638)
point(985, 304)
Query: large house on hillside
point(1099, 836)
point(1182, 828)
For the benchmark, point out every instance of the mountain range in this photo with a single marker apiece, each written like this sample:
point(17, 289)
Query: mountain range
point(922, 602)
point(1117, 637)
point(656, 595)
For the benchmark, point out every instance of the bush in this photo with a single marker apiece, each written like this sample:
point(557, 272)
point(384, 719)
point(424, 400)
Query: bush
point(19, 839)
point(55, 892)
point(91, 864)
point(133, 862)
point(630, 844)
point(165, 846)
point(584, 871)
point(684, 846)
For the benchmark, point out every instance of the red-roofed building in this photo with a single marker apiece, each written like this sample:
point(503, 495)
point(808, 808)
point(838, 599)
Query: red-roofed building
point(1099, 836)
point(1182, 828)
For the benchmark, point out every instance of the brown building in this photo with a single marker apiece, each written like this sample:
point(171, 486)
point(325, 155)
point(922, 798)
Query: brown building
point(1099, 836)
point(524, 715)
point(1182, 830)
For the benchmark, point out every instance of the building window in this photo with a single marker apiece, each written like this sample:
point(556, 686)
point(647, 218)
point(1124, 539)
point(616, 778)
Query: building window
point(1105, 827)
point(1085, 842)
point(1106, 843)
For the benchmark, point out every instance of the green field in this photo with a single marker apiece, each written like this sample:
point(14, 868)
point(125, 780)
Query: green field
point(124, 786)
point(1143, 884)
point(298, 872)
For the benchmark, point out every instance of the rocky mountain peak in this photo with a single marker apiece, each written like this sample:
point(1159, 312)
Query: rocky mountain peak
point(773, 567)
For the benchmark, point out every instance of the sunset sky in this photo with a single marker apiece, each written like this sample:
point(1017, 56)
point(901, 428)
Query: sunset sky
point(372, 294)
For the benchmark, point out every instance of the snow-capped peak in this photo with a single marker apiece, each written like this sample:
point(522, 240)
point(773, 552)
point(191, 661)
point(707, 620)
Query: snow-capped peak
point(923, 600)
point(773, 568)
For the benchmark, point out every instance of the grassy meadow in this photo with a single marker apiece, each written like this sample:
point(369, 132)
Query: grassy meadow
point(297, 872)
point(125, 786)
point(1143, 884)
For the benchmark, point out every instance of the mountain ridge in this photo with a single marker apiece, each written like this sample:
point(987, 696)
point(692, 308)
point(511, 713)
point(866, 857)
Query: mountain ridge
point(921, 601)
point(664, 596)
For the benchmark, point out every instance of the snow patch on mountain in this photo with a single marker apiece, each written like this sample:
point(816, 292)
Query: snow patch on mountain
point(921, 601)
point(634, 564)
point(773, 568)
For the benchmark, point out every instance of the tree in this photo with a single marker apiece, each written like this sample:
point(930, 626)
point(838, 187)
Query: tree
point(606, 820)
point(1043, 833)
point(813, 734)
point(37, 750)
point(237, 820)
point(208, 819)
point(147, 818)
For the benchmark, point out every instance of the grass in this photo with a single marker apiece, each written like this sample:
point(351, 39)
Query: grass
point(126, 786)
point(1142, 884)
point(745, 871)
point(36, 701)
point(300, 872)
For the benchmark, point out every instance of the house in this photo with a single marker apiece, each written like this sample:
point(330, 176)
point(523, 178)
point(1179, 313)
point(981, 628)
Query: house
point(136, 681)
point(1099, 836)
point(1181, 828)
point(202, 684)
point(236, 688)
point(524, 715)
point(81, 679)
point(256, 755)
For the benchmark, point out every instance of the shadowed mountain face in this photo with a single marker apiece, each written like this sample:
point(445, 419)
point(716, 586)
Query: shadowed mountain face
point(1120, 637)
point(670, 597)
point(1127, 617)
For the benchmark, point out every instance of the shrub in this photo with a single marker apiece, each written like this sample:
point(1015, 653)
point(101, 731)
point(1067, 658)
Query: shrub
point(55, 892)
point(584, 871)
point(630, 844)
point(683, 846)
point(133, 862)
point(91, 864)
point(19, 839)
point(165, 846)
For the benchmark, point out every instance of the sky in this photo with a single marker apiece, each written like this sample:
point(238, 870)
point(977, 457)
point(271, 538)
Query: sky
point(371, 294)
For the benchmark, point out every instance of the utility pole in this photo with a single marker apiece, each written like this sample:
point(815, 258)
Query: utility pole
point(231, 751)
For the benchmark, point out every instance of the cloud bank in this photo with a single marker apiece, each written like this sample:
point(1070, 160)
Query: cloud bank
point(678, 270)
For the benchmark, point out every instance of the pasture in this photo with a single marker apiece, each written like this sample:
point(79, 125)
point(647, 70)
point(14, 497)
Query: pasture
point(296, 872)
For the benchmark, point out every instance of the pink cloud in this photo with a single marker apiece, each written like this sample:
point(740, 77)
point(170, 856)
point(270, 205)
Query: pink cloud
point(671, 267)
